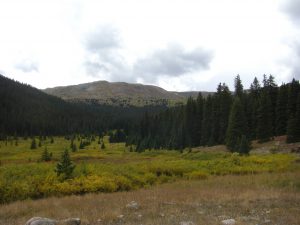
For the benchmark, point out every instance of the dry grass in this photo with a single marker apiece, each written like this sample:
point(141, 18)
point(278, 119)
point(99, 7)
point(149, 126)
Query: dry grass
point(251, 199)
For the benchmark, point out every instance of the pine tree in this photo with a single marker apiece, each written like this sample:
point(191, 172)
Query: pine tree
point(65, 167)
point(281, 110)
point(236, 126)
point(264, 119)
point(239, 89)
point(244, 145)
point(253, 105)
point(33, 144)
point(293, 130)
point(46, 156)
point(102, 145)
point(199, 117)
point(294, 90)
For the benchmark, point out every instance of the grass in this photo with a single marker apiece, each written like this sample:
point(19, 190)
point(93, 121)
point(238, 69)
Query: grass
point(266, 198)
point(24, 176)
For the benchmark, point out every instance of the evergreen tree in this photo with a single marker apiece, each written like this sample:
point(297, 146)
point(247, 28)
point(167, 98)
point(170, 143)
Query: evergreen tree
point(225, 101)
point(244, 145)
point(239, 89)
point(102, 145)
point(264, 121)
point(293, 130)
point(206, 121)
point(33, 144)
point(252, 107)
point(236, 126)
point(46, 156)
point(281, 110)
point(65, 167)
point(198, 118)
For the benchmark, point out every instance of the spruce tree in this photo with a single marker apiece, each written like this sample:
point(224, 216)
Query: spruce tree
point(264, 119)
point(65, 167)
point(46, 156)
point(253, 105)
point(236, 126)
point(33, 144)
point(244, 145)
point(293, 129)
point(238, 86)
point(281, 110)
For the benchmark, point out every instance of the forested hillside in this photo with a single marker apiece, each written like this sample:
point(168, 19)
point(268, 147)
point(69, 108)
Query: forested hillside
point(28, 111)
point(261, 112)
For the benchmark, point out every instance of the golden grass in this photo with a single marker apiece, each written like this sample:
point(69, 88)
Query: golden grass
point(250, 199)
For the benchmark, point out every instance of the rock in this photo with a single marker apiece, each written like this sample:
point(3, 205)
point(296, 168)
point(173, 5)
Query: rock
point(139, 216)
point(41, 221)
point(186, 223)
point(47, 221)
point(228, 222)
point(132, 205)
point(70, 221)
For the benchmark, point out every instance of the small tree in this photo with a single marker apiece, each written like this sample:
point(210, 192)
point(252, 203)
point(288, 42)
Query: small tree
point(65, 167)
point(46, 156)
point(102, 145)
point(51, 140)
point(33, 144)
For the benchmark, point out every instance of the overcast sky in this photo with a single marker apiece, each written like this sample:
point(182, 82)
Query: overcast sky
point(178, 45)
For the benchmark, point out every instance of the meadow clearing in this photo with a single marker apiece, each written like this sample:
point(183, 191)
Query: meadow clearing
point(201, 185)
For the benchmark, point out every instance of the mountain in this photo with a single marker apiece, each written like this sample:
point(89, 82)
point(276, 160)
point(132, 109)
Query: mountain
point(119, 93)
point(25, 110)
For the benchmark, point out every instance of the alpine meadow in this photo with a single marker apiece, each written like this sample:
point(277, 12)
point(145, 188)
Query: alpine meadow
point(149, 112)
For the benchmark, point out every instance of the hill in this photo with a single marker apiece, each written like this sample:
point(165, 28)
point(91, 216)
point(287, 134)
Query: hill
point(119, 93)
point(26, 110)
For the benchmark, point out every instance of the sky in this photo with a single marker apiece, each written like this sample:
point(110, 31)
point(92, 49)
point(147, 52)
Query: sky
point(179, 45)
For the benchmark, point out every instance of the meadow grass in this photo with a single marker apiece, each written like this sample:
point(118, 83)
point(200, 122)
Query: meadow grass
point(265, 198)
point(23, 175)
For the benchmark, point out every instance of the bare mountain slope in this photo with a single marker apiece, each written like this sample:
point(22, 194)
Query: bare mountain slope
point(119, 93)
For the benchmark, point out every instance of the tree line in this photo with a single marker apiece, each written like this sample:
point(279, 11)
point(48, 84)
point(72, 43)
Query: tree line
point(27, 111)
point(232, 118)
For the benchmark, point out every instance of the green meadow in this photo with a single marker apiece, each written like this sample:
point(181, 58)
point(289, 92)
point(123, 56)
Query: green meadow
point(24, 175)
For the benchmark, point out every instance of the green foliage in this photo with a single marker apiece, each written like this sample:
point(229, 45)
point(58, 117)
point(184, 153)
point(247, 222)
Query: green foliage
point(264, 124)
point(65, 167)
point(102, 145)
point(236, 126)
point(46, 156)
point(244, 145)
point(33, 144)
point(118, 170)
point(293, 129)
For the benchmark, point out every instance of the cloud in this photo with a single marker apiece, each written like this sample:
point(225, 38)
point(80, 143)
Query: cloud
point(295, 61)
point(104, 59)
point(292, 9)
point(173, 61)
point(27, 66)
point(104, 38)
point(103, 48)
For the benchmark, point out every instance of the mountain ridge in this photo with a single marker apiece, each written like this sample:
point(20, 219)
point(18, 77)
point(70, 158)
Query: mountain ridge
point(120, 93)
